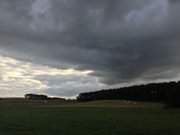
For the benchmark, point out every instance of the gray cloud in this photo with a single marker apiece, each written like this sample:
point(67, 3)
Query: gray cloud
point(121, 41)
point(69, 86)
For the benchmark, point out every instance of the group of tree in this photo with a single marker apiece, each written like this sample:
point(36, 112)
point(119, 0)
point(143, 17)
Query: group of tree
point(35, 97)
point(31, 96)
point(168, 92)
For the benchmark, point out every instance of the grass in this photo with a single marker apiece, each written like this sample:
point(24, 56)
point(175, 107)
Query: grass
point(94, 118)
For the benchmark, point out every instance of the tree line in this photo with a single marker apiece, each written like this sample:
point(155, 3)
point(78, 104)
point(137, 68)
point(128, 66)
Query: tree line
point(168, 92)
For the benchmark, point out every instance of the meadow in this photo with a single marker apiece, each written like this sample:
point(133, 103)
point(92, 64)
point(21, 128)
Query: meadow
point(90, 118)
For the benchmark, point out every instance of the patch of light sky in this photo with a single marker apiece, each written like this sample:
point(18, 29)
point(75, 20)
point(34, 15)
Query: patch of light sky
point(18, 78)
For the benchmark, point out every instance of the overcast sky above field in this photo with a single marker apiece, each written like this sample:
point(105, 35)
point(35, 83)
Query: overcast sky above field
point(63, 47)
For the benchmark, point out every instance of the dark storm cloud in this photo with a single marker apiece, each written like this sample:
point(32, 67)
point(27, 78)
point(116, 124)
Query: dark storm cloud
point(121, 41)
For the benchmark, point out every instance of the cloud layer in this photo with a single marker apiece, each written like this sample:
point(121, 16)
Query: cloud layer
point(18, 78)
point(122, 41)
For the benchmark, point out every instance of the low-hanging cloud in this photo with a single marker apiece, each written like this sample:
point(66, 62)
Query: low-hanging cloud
point(120, 40)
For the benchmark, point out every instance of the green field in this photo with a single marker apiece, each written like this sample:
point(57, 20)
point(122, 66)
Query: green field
point(93, 118)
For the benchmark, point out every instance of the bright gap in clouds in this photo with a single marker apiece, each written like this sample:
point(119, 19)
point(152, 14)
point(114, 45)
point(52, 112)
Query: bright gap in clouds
point(18, 78)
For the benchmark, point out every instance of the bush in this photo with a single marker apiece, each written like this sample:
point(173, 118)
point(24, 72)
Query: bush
point(173, 97)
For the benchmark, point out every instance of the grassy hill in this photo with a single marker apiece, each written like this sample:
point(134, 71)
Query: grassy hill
point(89, 118)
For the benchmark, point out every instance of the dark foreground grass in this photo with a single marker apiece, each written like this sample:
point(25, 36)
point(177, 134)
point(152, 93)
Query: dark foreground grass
point(28, 120)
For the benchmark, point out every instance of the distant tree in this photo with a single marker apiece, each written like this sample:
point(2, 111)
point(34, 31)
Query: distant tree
point(154, 92)
point(173, 96)
point(35, 97)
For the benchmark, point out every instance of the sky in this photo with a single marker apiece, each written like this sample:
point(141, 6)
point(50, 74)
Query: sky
point(64, 47)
